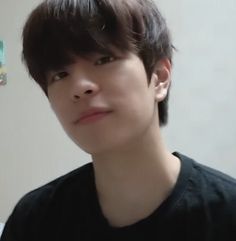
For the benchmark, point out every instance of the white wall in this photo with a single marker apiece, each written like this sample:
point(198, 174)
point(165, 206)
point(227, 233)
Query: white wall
point(33, 146)
point(203, 97)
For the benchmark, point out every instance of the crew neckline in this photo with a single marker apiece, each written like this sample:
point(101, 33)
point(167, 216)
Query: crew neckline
point(159, 213)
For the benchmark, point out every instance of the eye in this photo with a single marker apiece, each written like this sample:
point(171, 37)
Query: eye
point(105, 60)
point(58, 76)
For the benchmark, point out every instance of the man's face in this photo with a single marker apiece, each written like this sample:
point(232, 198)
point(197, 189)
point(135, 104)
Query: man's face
point(104, 102)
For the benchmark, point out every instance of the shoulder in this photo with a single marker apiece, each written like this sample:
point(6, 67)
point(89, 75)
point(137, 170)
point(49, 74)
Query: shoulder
point(44, 194)
point(214, 179)
point(209, 186)
point(201, 174)
point(208, 199)
point(32, 209)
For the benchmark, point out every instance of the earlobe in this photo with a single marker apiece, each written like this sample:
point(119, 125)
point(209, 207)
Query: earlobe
point(161, 91)
point(162, 79)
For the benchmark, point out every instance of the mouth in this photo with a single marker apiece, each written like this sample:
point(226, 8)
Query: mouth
point(92, 116)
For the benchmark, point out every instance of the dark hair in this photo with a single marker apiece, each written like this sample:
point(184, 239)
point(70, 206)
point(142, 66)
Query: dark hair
point(57, 30)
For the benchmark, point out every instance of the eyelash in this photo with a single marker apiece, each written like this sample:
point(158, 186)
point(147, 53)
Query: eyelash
point(100, 61)
point(105, 60)
point(59, 76)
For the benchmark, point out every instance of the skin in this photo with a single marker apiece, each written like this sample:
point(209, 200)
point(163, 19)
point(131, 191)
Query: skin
point(134, 171)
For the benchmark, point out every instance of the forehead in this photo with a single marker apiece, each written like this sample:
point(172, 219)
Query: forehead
point(57, 32)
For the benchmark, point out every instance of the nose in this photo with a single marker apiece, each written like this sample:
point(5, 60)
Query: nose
point(83, 88)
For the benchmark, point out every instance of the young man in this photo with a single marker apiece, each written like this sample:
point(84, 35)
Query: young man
point(105, 67)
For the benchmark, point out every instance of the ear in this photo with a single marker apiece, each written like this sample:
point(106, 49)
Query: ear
point(161, 78)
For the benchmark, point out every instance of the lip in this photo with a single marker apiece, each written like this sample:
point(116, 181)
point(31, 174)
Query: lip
point(92, 115)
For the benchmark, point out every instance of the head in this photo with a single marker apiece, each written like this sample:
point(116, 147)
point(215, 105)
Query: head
point(59, 30)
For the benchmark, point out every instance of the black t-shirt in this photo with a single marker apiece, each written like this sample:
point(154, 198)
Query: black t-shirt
point(202, 207)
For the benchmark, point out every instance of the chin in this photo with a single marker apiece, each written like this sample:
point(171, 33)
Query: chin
point(100, 148)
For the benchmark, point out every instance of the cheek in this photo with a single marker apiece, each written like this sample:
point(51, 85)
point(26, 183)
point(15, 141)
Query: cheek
point(61, 110)
point(132, 95)
point(134, 108)
point(126, 84)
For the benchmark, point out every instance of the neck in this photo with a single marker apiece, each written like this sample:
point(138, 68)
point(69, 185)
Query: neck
point(134, 180)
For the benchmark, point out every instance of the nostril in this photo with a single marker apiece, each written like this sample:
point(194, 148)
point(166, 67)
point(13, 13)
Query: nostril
point(88, 92)
point(76, 97)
